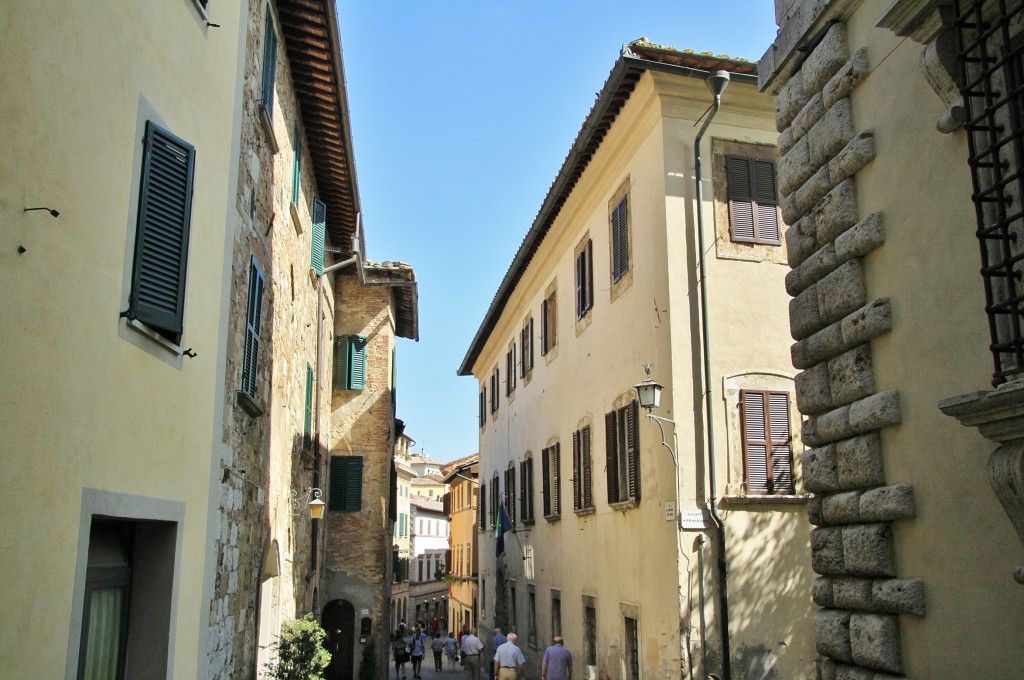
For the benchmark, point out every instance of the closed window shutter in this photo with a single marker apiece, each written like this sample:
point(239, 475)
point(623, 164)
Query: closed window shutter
point(510, 494)
point(494, 500)
point(297, 164)
point(556, 482)
point(253, 310)
point(161, 246)
point(620, 239)
point(580, 285)
point(588, 253)
point(588, 498)
point(611, 463)
point(346, 485)
point(269, 63)
point(316, 259)
point(544, 328)
point(782, 454)
point(307, 424)
point(481, 509)
point(529, 343)
point(753, 202)
point(755, 442)
point(577, 471)
point(482, 416)
point(545, 462)
point(633, 449)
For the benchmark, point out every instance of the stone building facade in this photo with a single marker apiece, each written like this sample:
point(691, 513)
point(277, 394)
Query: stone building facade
point(913, 554)
point(375, 303)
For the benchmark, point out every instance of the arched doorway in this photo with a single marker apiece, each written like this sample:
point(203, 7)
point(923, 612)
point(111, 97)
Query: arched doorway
point(339, 620)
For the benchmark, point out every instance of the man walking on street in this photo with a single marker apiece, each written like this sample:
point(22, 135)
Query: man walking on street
point(557, 662)
point(471, 649)
point(509, 662)
point(497, 641)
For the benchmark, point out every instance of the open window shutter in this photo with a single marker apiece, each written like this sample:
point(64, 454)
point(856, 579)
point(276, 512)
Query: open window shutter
point(510, 494)
point(755, 444)
point(611, 465)
point(482, 405)
point(356, 362)
point(297, 163)
point(588, 498)
point(620, 239)
point(577, 470)
point(253, 311)
point(269, 63)
point(588, 252)
point(782, 455)
point(580, 285)
point(544, 342)
point(481, 508)
point(307, 425)
point(316, 259)
point(529, 343)
point(524, 509)
point(161, 246)
point(545, 473)
point(633, 449)
point(339, 381)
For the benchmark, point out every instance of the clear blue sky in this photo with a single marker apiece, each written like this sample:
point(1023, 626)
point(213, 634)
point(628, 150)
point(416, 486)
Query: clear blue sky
point(462, 113)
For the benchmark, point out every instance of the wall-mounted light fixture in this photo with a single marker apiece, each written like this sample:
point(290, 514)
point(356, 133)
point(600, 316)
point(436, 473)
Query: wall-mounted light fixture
point(310, 499)
point(649, 394)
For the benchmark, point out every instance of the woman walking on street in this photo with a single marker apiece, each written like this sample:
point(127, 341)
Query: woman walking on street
point(401, 653)
point(451, 648)
point(437, 646)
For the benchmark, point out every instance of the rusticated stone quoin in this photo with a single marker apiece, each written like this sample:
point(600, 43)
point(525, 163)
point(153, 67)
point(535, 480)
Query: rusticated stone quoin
point(847, 78)
point(828, 57)
point(867, 323)
point(872, 413)
point(832, 132)
point(832, 634)
point(855, 155)
point(837, 212)
point(875, 641)
point(880, 596)
point(867, 550)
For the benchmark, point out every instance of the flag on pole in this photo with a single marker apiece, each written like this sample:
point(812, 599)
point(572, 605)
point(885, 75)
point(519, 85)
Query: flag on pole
point(501, 527)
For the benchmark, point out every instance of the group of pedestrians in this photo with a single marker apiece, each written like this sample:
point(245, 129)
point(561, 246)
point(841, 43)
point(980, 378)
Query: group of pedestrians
point(506, 660)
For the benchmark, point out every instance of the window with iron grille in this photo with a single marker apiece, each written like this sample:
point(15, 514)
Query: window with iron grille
point(632, 649)
point(526, 490)
point(582, 497)
point(551, 481)
point(767, 445)
point(753, 201)
point(590, 630)
point(622, 460)
point(990, 50)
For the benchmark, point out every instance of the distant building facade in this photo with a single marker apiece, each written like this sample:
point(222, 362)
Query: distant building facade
point(461, 501)
point(617, 545)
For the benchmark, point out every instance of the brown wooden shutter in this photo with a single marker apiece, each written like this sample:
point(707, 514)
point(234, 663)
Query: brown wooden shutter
point(588, 253)
point(588, 498)
point(782, 454)
point(577, 470)
point(510, 494)
point(633, 449)
point(611, 462)
point(544, 347)
point(755, 442)
point(741, 206)
point(523, 510)
point(766, 198)
point(620, 239)
point(481, 508)
point(556, 481)
point(545, 461)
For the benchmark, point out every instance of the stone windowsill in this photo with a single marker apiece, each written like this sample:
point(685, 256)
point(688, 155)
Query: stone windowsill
point(998, 414)
point(156, 337)
point(765, 499)
point(553, 518)
point(624, 505)
point(268, 128)
point(249, 404)
point(293, 208)
point(583, 512)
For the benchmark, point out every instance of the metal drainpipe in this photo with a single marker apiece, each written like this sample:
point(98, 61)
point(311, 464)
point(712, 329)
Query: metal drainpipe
point(717, 81)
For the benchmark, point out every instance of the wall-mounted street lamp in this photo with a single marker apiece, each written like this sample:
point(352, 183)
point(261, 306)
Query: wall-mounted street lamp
point(649, 394)
point(311, 499)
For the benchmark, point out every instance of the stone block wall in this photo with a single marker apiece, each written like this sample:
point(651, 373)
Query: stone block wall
point(859, 591)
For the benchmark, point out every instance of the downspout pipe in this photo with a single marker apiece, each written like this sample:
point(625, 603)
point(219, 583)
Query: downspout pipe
point(716, 81)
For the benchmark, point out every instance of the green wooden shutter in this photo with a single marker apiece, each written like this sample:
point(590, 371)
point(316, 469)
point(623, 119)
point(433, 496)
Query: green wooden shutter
point(356, 362)
point(269, 64)
point(161, 244)
point(297, 163)
point(316, 258)
point(307, 425)
point(254, 307)
point(345, 492)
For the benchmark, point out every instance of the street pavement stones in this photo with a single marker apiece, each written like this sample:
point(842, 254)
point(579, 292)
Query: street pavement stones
point(427, 671)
